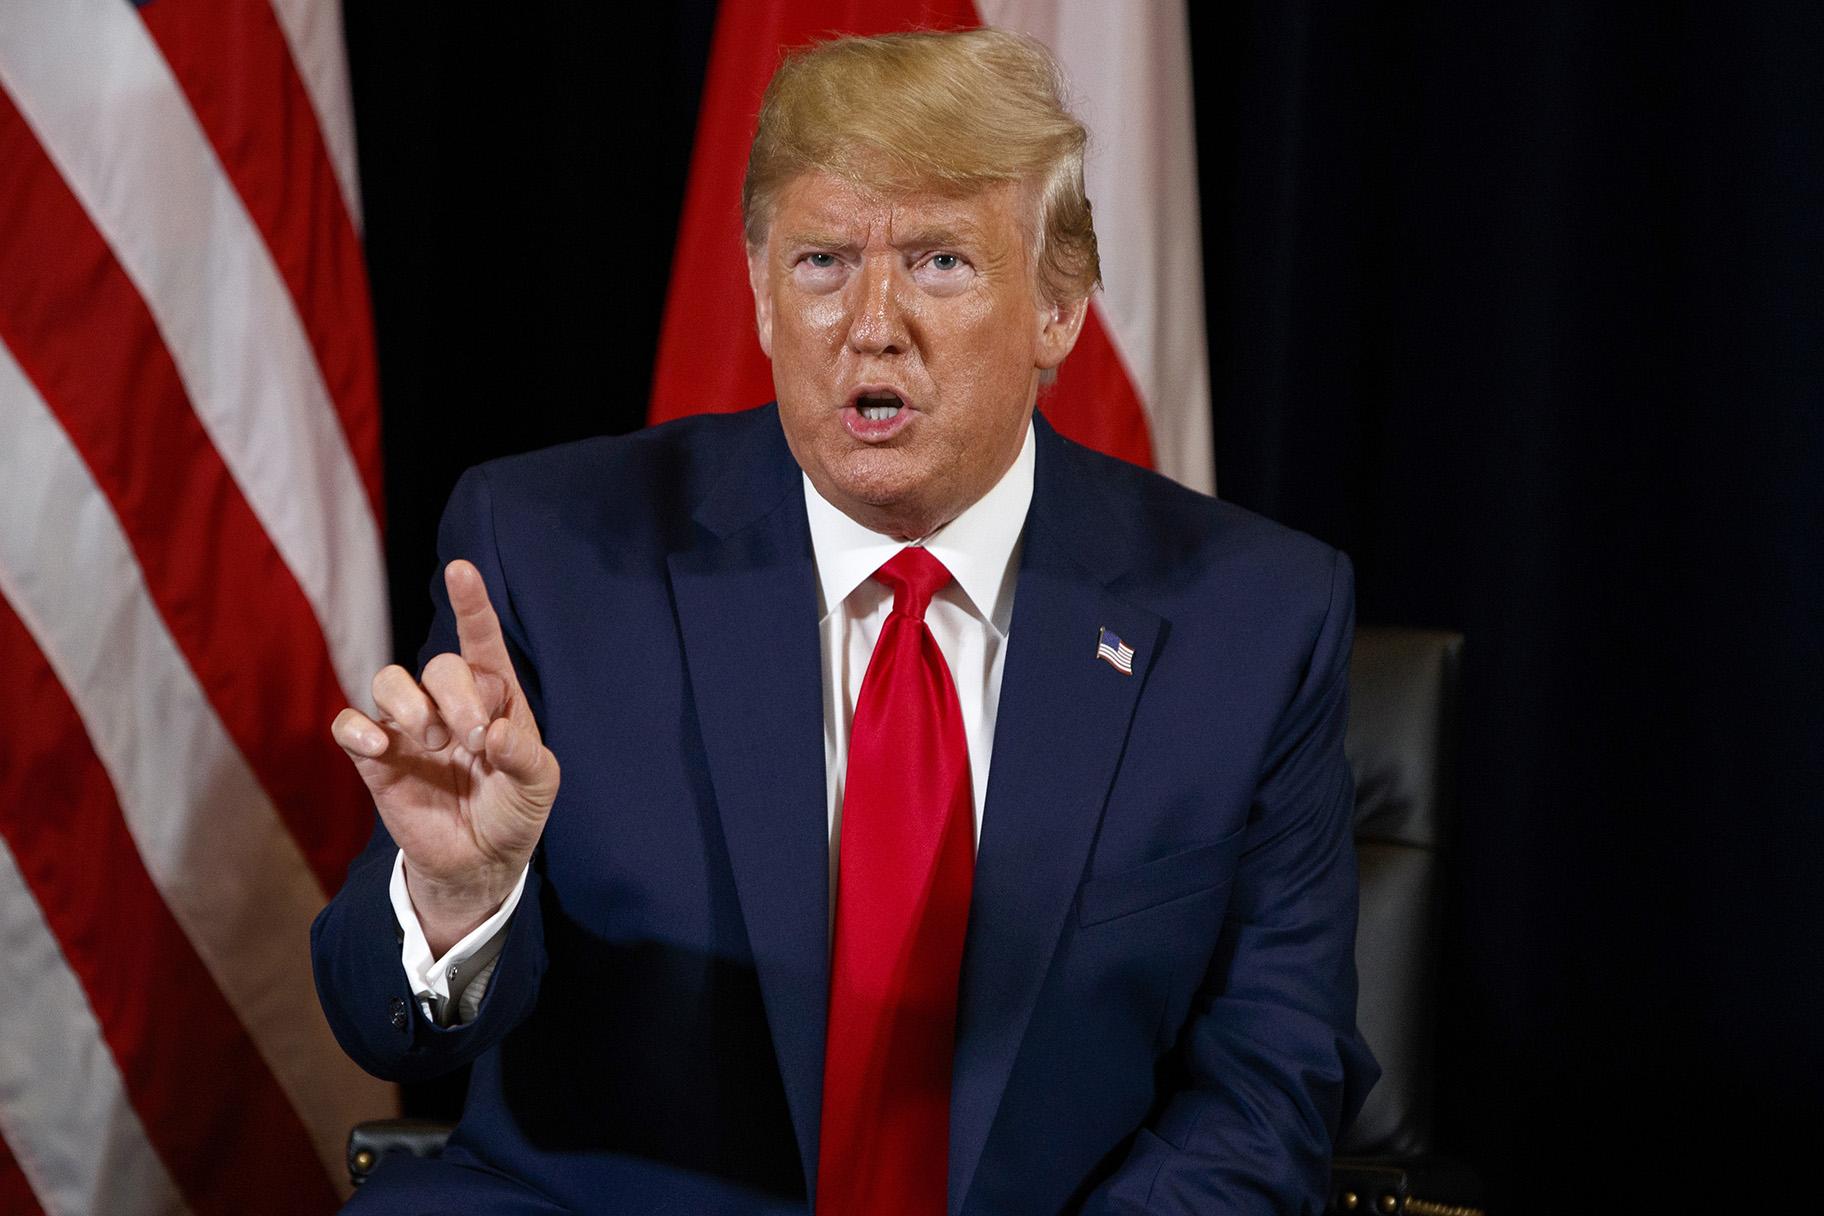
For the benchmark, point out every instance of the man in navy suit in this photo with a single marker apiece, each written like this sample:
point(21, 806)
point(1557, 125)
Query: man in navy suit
point(1154, 995)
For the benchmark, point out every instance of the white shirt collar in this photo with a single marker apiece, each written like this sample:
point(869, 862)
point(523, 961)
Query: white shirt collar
point(977, 547)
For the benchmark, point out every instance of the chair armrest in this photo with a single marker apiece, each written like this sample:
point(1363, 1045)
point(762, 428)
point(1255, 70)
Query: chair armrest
point(1416, 1186)
point(371, 1143)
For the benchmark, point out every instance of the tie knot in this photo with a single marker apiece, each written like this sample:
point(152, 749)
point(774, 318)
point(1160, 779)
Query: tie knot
point(915, 576)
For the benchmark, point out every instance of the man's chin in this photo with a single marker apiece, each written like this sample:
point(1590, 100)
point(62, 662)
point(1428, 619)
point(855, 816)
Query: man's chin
point(885, 496)
point(880, 476)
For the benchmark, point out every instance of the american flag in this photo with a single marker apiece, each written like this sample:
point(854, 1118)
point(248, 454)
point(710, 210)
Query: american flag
point(191, 586)
point(1118, 653)
point(1137, 385)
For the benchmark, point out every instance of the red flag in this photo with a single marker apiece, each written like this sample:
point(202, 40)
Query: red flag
point(191, 586)
point(1137, 385)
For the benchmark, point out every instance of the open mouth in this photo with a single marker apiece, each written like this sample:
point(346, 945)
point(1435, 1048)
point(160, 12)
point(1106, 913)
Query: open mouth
point(877, 413)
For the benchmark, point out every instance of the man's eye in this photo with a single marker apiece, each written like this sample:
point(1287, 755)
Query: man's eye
point(945, 261)
point(821, 261)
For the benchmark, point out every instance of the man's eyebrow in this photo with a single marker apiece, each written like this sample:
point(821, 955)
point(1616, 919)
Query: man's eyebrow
point(818, 240)
point(926, 236)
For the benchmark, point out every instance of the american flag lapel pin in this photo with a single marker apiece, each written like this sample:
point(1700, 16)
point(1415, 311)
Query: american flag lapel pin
point(1116, 653)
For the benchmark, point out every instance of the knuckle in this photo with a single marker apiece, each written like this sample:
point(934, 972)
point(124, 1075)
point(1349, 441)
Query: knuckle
point(442, 668)
point(452, 687)
point(387, 681)
point(399, 696)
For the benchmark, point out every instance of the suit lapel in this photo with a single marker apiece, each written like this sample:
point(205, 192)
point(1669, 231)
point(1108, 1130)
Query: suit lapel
point(746, 595)
point(1061, 728)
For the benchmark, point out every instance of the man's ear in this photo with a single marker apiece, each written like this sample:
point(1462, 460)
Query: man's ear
point(1059, 325)
point(759, 281)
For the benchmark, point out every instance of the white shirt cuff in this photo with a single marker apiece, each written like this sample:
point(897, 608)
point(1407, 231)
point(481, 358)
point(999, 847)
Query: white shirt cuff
point(431, 978)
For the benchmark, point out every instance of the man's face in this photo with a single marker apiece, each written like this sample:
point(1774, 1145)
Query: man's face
point(907, 338)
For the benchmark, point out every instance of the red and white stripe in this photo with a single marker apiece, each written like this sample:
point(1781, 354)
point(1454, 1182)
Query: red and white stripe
point(313, 30)
point(1137, 385)
point(1129, 66)
point(190, 587)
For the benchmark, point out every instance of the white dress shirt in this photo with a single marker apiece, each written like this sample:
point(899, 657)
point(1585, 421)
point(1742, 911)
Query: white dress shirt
point(969, 618)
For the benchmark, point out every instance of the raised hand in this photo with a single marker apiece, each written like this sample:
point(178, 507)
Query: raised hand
point(457, 769)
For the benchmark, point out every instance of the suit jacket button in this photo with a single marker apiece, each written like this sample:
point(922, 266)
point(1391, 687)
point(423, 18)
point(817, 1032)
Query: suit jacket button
point(401, 1017)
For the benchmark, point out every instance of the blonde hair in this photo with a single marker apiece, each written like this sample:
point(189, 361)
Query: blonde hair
point(952, 112)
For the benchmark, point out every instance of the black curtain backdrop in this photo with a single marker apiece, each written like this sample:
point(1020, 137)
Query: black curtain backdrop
point(1519, 305)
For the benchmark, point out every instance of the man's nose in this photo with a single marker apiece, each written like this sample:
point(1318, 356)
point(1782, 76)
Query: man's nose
point(878, 323)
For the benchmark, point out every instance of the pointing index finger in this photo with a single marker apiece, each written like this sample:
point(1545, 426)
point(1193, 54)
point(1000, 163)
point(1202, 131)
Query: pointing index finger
point(477, 627)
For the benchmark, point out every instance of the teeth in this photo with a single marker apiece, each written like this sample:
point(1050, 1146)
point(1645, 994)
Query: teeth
point(879, 408)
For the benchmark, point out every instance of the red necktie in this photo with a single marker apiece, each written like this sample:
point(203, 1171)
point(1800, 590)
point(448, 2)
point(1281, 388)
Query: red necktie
point(902, 906)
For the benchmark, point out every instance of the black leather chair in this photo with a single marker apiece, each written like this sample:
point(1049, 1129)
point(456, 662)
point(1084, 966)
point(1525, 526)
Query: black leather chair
point(1402, 728)
point(1402, 725)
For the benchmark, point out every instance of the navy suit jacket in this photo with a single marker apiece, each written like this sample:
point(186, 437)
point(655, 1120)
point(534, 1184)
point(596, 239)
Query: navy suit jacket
point(1158, 991)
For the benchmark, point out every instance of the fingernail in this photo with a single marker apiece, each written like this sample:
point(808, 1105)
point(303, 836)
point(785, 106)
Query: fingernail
point(436, 737)
point(477, 739)
point(371, 742)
